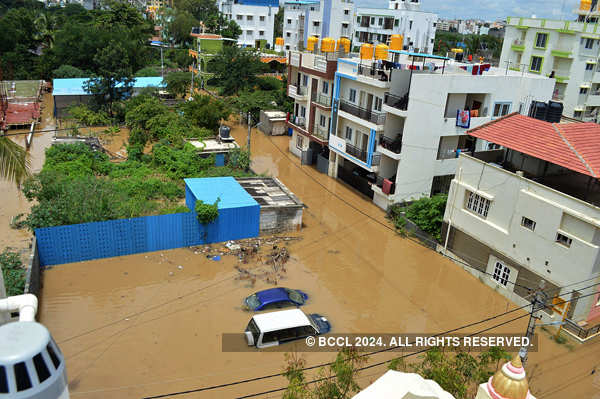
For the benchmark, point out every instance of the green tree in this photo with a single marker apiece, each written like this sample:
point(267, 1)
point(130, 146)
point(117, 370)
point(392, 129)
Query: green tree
point(278, 29)
point(44, 26)
point(427, 213)
point(230, 29)
point(236, 69)
point(68, 71)
point(181, 26)
point(14, 161)
point(13, 272)
point(206, 112)
point(148, 71)
point(177, 83)
point(115, 80)
point(203, 10)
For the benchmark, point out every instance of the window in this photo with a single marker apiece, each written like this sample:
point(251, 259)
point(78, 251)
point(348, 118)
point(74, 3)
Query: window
point(589, 67)
point(583, 90)
point(372, 20)
point(563, 240)
point(589, 43)
point(262, 18)
point(316, 23)
point(325, 87)
point(396, 22)
point(577, 114)
point(249, 17)
point(239, 17)
point(380, 21)
point(410, 25)
point(536, 64)
point(528, 223)
point(378, 102)
point(352, 96)
point(261, 32)
point(501, 273)
point(348, 133)
point(303, 111)
point(41, 368)
point(540, 40)
point(249, 32)
point(501, 109)
point(322, 121)
point(346, 12)
point(289, 21)
point(304, 80)
point(287, 46)
point(287, 34)
point(298, 144)
point(478, 204)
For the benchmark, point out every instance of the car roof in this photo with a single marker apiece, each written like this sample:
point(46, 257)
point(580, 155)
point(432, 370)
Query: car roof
point(282, 319)
point(272, 295)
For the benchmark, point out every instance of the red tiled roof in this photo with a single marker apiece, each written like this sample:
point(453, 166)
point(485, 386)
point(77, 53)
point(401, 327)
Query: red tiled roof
point(575, 146)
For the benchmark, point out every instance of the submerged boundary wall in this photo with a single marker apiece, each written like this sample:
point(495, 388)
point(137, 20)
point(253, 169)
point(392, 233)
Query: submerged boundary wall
point(86, 241)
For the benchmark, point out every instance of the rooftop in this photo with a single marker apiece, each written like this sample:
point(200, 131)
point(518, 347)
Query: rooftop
point(285, 318)
point(213, 145)
point(76, 86)
point(574, 146)
point(269, 192)
point(225, 189)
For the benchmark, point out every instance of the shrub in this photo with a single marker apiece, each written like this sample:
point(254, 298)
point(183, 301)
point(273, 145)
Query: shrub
point(428, 214)
point(239, 158)
point(12, 272)
point(84, 115)
point(207, 213)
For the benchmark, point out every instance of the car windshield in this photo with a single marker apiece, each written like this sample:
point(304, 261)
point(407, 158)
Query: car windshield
point(295, 296)
point(252, 301)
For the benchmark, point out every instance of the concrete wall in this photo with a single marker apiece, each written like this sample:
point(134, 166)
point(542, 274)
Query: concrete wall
point(513, 197)
point(33, 276)
point(255, 25)
point(279, 219)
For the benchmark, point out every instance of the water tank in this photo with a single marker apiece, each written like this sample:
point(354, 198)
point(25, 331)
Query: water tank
point(279, 41)
point(327, 45)
point(311, 42)
point(31, 365)
point(585, 5)
point(343, 44)
point(396, 42)
point(554, 111)
point(366, 51)
point(538, 110)
point(381, 51)
point(224, 131)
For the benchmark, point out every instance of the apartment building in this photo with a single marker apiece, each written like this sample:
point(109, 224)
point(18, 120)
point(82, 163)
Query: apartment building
point(256, 18)
point(529, 211)
point(320, 18)
point(566, 50)
point(310, 84)
point(398, 126)
point(376, 25)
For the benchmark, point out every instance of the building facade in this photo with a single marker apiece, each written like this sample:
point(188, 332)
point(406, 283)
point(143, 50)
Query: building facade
point(256, 18)
point(376, 25)
point(395, 133)
point(566, 50)
point(324, 18)
point(528, 212)
point(311, 85)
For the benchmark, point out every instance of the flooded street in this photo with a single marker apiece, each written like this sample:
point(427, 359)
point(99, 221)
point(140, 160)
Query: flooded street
point(140, 326)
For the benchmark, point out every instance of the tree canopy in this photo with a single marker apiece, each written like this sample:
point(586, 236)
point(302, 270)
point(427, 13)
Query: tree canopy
point(236, 69)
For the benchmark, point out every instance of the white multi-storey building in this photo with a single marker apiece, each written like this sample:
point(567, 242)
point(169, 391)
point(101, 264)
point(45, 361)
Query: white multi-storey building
point(320, 18)
point(256, 18)
point(566, 50)
point(395, 131)
point(528, 211)
point(376, 25)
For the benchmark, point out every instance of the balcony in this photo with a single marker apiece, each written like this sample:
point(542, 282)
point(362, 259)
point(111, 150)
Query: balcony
point(377, 118)
point(518, 45)
point(561, 75)
point(298, 121)
point(323, 100)
point(356, 152)
point(298, 92)
point(562, 53)
point(393, 145)
point(398, 102)
point(345, 32)
point(320, 132)
point(374, 73)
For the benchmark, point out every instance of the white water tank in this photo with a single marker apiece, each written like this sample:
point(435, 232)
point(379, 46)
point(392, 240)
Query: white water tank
point(31, 365)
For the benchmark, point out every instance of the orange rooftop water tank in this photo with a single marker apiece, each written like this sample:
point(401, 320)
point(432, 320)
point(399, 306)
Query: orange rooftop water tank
point(327, 45)
point(381, 51)
point(310, 45)
point(396, 42)
point(366, 51)
point(343, 44)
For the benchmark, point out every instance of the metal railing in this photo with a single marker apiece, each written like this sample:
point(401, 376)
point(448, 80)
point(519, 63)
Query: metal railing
point(297, 90)
point(356, 152)
point(581, 332)
point(377, 118)
point(374, 72)
point(321, 132)
point(323, 100)
point(398, 102)
point(376, 159)
point(394, 145)
point(299, 121)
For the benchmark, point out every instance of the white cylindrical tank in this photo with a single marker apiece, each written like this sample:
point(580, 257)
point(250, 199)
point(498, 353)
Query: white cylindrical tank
point(31, 365)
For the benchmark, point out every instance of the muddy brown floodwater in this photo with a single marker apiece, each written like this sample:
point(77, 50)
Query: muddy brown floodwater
point(141, 325)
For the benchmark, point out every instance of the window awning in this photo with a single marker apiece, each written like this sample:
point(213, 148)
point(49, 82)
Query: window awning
point(578, 108)
point(591, 62)
point(584, 86)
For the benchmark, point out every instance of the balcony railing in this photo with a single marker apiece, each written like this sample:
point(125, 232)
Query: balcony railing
point(299, 121)
point(396, 101)
point(375, 73)
point(394, 145)
point(297, 90)
point(323, 99)
point(581, 332)
point(345, 32)
point(356, 152)
point(377, 118)
point(321, 132)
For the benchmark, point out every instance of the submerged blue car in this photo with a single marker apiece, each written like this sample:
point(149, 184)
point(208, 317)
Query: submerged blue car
point(276, 297)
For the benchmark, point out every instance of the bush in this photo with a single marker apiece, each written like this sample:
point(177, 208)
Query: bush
point(428, 214)
point(207, 213)
point(239, 158)
point(84, 115)
point(269, 83)
point(12, 272)
point(68, 71)
point(147, 71)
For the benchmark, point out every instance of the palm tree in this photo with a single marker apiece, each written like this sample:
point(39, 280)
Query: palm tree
point(44, 29)
point(14, 161)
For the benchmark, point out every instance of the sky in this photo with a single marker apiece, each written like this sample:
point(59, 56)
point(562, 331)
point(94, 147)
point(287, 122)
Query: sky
point(491, 10)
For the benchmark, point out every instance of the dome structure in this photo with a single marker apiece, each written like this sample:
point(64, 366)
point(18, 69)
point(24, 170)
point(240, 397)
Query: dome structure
point(510, 382)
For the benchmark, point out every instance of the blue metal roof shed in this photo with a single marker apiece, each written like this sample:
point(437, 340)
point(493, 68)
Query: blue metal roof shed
point(239, 213)
point(76, 86)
